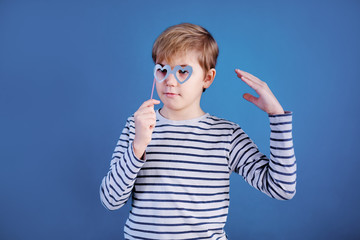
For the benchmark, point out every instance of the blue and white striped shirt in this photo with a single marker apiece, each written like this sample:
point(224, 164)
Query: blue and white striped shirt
point(181, 191)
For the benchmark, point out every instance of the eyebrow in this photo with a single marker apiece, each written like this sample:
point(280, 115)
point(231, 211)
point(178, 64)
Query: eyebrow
point(182, 65)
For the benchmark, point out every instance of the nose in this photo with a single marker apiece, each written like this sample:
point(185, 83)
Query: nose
point(170, 80)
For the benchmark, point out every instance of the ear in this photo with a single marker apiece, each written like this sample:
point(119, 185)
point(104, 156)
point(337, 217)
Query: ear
point(209, 77)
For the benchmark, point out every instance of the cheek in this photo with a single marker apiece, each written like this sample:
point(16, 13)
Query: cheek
point(197, 81)
point(157, 86)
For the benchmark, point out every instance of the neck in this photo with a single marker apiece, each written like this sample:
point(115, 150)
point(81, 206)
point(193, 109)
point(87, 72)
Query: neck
point(178, 115)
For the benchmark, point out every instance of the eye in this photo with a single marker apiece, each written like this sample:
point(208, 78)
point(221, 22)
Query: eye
point(183, 72)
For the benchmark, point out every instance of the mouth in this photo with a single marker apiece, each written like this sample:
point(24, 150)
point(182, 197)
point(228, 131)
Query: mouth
point(169, 94)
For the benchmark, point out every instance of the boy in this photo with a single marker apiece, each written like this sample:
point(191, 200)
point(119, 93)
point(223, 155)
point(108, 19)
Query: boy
point(177, 161)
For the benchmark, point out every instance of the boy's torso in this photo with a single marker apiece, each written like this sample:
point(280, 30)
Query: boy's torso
point(183, 188)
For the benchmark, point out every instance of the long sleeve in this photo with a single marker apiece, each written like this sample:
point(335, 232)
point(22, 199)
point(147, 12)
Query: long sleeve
point(117, 185)
point(275, 176)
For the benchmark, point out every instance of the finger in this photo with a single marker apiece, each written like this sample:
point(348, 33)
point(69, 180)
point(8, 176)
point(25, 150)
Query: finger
point(145, 122)
point(243, 73)
point(149, 103)
point(251, 77)
point(147, 112)
point(250, 98)
point(249, 82)
point(144, 110)
point(149, 122)
point(259, 86)
point(144, 115)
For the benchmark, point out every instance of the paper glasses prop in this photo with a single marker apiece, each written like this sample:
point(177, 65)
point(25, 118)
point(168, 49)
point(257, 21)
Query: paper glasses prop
point(182, 74)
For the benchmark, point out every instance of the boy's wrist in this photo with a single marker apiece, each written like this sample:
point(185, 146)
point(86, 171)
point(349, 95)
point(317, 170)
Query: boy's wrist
point(281, 114)
point(277, 113)
point(139, 151)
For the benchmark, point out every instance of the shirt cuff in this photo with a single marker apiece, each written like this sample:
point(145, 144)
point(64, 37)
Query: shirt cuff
point(284, 114)
point(281, 121)
point(143, 157)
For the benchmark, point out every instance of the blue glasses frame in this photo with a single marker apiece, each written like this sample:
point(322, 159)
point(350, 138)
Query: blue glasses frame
point(168, 71)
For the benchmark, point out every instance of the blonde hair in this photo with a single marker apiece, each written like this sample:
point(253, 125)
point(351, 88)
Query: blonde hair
point(183, 37)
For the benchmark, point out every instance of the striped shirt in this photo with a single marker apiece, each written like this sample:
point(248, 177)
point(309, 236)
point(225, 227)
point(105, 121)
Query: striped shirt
point(181, 191)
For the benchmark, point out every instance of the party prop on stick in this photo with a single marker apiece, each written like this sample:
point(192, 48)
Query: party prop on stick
point(182, 74)
point(152, 91)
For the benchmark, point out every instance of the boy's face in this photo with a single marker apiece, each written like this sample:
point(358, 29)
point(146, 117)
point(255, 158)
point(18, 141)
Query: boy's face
point(186, 96)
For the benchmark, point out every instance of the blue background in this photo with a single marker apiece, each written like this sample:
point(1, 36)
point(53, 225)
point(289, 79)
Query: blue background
point(71, 72)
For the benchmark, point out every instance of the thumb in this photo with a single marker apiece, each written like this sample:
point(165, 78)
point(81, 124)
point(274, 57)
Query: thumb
point(250, 98)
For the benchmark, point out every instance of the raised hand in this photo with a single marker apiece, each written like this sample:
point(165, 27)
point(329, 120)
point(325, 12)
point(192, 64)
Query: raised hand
point(266, 100)
point(145, 120)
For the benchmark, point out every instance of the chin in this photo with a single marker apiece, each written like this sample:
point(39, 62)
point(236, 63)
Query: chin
point(171, 105)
